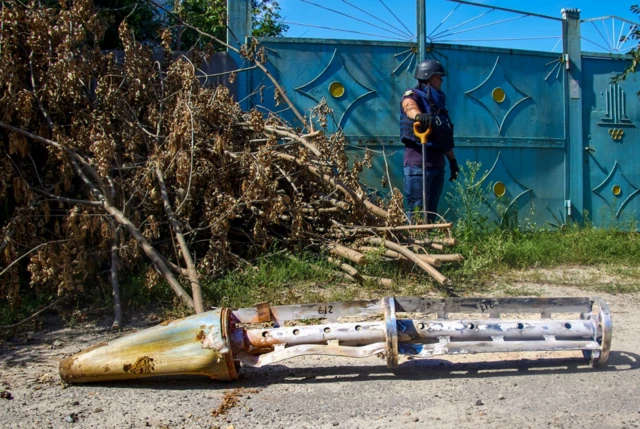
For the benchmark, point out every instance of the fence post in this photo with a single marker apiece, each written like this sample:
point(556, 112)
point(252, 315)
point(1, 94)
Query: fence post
point(574, 164)
point(421, 33)
point(238, 29)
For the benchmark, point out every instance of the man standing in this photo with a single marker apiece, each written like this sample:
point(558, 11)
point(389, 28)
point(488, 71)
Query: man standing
point(426, 104)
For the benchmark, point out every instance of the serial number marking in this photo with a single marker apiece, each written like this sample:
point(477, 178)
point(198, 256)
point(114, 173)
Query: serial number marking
point(487, 305)
point(325, 309)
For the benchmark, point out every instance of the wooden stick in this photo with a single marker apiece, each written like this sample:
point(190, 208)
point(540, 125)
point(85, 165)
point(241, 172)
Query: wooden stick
point(372, 208)
point(436, 246)
point(450, 241)
point(423, 243)
point(194, 277)
point(303, 141)
point(337, 203)
point(115, 284)
point(344, 252)
point(402, 227)
point(346, 268)
point(323, 210)
point(412, 257)
point(386, 252)
point(431, 260)
point(447, 258)
point(355, 276)
point(379, 280)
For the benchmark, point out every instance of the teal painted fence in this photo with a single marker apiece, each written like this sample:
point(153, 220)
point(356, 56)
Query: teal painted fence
point(556, 139)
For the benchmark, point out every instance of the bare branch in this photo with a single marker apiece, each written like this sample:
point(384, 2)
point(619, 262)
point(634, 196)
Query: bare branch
point(30, 252)
point(68, 200)
point(412, 257)
point(177, 227)
point(372, 208)
point(297, 138)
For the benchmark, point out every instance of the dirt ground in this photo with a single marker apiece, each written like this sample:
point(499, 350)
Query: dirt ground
point(532, 390)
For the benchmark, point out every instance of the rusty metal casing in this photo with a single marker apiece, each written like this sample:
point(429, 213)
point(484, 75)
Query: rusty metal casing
point(215, 343)
point(197, 344)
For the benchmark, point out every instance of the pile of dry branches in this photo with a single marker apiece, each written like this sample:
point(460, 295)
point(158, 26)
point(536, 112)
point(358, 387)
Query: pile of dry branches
point(110, 163)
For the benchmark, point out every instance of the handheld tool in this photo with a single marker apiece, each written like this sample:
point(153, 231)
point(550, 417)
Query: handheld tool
point(423, 141)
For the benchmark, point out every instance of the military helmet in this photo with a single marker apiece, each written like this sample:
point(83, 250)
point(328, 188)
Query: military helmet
point(428, 68)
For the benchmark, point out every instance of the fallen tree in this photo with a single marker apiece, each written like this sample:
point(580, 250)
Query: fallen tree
point(109, 162)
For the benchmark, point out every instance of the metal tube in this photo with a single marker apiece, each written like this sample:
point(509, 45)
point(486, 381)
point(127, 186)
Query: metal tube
point(421, 17)
point(216, 342)
point(360, 333)
point(423, 151)
point(429, 350)
point(508, 329)
point(420, 330)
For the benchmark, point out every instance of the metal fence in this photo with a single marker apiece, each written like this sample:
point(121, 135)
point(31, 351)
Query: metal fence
point(555, 137)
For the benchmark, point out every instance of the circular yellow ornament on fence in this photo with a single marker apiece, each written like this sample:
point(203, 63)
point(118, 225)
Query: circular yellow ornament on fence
point(336, 89)
point(499, 189)
point(498, 95)
point(617, 190)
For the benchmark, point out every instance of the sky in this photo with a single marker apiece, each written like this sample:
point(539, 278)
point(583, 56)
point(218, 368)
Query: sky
point(451, 22)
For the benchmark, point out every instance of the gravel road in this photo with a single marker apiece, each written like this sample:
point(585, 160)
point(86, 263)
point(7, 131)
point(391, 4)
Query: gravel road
point(526, 390)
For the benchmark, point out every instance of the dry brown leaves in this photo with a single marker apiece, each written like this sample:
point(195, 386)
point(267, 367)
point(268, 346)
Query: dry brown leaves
point(118, 116)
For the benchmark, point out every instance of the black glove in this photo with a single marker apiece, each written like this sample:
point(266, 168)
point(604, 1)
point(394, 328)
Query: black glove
point(425, 121)
point(453, 165)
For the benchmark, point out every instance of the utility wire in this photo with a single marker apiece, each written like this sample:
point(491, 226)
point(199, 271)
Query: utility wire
point(375, 17)
point(352, 17)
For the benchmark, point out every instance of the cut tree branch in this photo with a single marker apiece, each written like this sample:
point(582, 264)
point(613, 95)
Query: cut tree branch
point(412, 257)
point(372, 208)
point(149, 250)
point(194, 278)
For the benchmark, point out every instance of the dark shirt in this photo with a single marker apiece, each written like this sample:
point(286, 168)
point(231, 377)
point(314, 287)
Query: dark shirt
point(413, 149)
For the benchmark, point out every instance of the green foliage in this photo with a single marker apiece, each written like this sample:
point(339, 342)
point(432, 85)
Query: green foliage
point(29, 304)
point(468, 203)
point(140, 15)
point(635, 52)
point(267, 21)
point(210, 16)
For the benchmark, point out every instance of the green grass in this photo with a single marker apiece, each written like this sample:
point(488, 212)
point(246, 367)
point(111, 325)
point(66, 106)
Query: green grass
point(502, 249)
point(494, 241)
point(289, 279)
point(617, 288)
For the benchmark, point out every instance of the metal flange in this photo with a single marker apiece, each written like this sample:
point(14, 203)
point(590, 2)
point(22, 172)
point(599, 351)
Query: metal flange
point(391, 331)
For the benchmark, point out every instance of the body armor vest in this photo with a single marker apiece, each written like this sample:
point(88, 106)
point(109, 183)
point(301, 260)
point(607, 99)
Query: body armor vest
point(441, 137)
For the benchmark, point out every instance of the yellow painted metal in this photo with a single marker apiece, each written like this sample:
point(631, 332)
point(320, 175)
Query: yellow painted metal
point(617, 190)
point(498, 95)
point(336, 89)
point(616, 133)
point(197, 345)
point(499, 189)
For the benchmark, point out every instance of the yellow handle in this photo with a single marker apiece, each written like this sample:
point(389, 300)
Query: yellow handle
point(423, 136)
